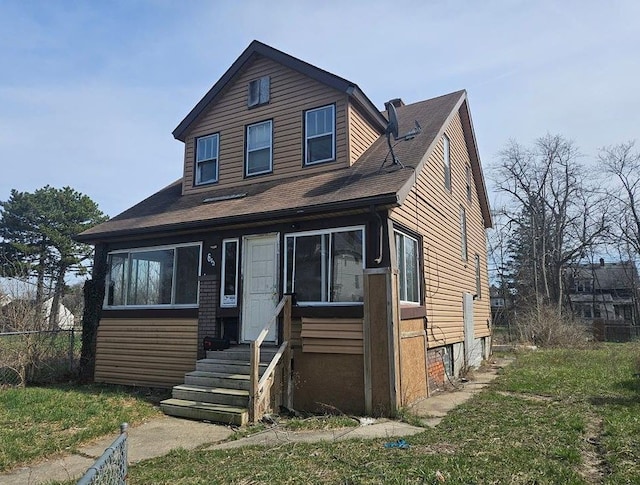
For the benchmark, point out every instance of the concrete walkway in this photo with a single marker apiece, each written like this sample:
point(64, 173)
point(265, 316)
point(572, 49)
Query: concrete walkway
point(159, 436)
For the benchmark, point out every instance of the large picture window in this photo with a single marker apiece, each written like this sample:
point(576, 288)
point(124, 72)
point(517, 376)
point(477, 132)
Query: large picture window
point(207, 159)
point(408, 267)
point(162, 276)
point(258, 156)
point(229, 293)
point(325, 266)
point(320, 131)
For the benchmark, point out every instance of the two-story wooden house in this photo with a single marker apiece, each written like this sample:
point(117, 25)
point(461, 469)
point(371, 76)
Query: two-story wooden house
point(290, 188)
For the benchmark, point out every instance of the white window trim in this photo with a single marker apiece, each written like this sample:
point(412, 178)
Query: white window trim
point(247, 150)
point(328, 270)
point(173, 278)
point(217, 159)
point(223, 273)
point(446, 147)
point(333, 135)
point(404, 272)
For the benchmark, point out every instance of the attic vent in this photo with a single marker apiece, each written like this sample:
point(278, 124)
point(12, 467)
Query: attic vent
point(220, 198)
point(258, 92)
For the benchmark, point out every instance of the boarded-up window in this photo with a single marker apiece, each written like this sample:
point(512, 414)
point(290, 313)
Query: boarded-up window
point(258, 92)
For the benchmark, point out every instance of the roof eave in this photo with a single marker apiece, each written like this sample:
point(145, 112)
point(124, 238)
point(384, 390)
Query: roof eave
point(385, 200)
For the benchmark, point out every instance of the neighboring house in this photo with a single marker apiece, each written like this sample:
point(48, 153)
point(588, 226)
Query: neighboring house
point(289, 187)
point(499, 306)
point(605, 292)
point(65, 320)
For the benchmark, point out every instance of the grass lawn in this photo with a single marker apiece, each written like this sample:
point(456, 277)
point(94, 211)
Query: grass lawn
point(554, 416)
point(37, 422)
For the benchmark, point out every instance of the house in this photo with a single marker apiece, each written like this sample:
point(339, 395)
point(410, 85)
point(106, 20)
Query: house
point(293, 199)
point(24, 311)
point(606, 295)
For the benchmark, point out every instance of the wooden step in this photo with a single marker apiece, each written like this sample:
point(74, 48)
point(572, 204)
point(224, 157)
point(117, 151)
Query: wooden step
point(227, 366)
point(212, 395)
point(242, 354)
point(217, 379)
point(203, 411)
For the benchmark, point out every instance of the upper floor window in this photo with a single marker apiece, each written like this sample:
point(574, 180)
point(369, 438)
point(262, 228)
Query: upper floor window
point(478, 277)
point(207, 159)
point(447, 161)
point(258, 92)
point(325, 266)
point(583, 286)
point(158, 276)
point(258, 158)
point(408, 267)
point(463, 233)
point(320, 133)
point(469, 184)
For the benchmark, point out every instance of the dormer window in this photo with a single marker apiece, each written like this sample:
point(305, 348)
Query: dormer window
point(258, 92)
point(207, 159)
point(320, 135)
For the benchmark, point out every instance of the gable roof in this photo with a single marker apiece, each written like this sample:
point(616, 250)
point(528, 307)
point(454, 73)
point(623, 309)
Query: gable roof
point(257, 48)
point(364, 184)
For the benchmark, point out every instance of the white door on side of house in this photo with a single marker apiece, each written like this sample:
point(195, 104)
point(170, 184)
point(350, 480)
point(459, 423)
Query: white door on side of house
point(260, 285)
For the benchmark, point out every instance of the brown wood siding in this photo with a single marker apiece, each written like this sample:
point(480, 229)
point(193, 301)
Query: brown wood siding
point(291, 94)
point(146, 352)
point(362, 134)
point(332, 335)
point(434, 212)
point(413, 361)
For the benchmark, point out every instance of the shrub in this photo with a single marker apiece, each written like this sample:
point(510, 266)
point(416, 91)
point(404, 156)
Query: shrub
point(545, 326)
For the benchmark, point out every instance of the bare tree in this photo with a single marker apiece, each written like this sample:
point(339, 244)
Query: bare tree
point(623, 163)
point(555, 214)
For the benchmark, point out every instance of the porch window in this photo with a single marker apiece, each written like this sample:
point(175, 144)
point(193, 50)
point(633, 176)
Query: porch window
point(229, 293)
point(320, 129)
point(207, 159)
point(325, 266)
point(258, 156)
point(161, 276)
point(408, 267)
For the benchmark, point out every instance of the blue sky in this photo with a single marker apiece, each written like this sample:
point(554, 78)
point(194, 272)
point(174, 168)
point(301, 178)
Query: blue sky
point(90, 91)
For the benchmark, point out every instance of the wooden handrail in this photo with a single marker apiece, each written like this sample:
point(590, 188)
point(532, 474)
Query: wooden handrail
point(257, 385)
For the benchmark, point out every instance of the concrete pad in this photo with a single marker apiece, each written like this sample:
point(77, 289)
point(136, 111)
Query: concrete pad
point(149, 440)
point(278, 436)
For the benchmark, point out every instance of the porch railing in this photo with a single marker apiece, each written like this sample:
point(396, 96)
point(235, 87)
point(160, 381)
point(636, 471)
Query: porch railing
point(260, 387)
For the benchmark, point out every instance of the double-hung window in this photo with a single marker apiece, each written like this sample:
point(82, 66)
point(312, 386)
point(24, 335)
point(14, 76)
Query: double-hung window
point(408, 267)
point(463, 234)
point(320, 135)
point(158, 276)
point(258, 158)
point(229, 293)
point(446, 146)
point(324, 267)
point(207, 159)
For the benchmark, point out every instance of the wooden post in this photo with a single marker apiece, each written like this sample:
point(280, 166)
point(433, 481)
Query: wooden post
point(254, 362)
point(286, 335)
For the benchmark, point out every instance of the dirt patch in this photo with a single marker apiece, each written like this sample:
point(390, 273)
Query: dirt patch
point(593, 468)
point(528, 397)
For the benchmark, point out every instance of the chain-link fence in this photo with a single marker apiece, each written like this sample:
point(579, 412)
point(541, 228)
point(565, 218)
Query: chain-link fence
point(38, 356)
point(111, 467)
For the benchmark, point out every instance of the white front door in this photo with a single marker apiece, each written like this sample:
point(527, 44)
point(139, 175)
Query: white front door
point(260, 293)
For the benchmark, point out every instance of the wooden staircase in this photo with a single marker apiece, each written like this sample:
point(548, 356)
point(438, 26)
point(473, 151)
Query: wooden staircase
point(218, 390)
